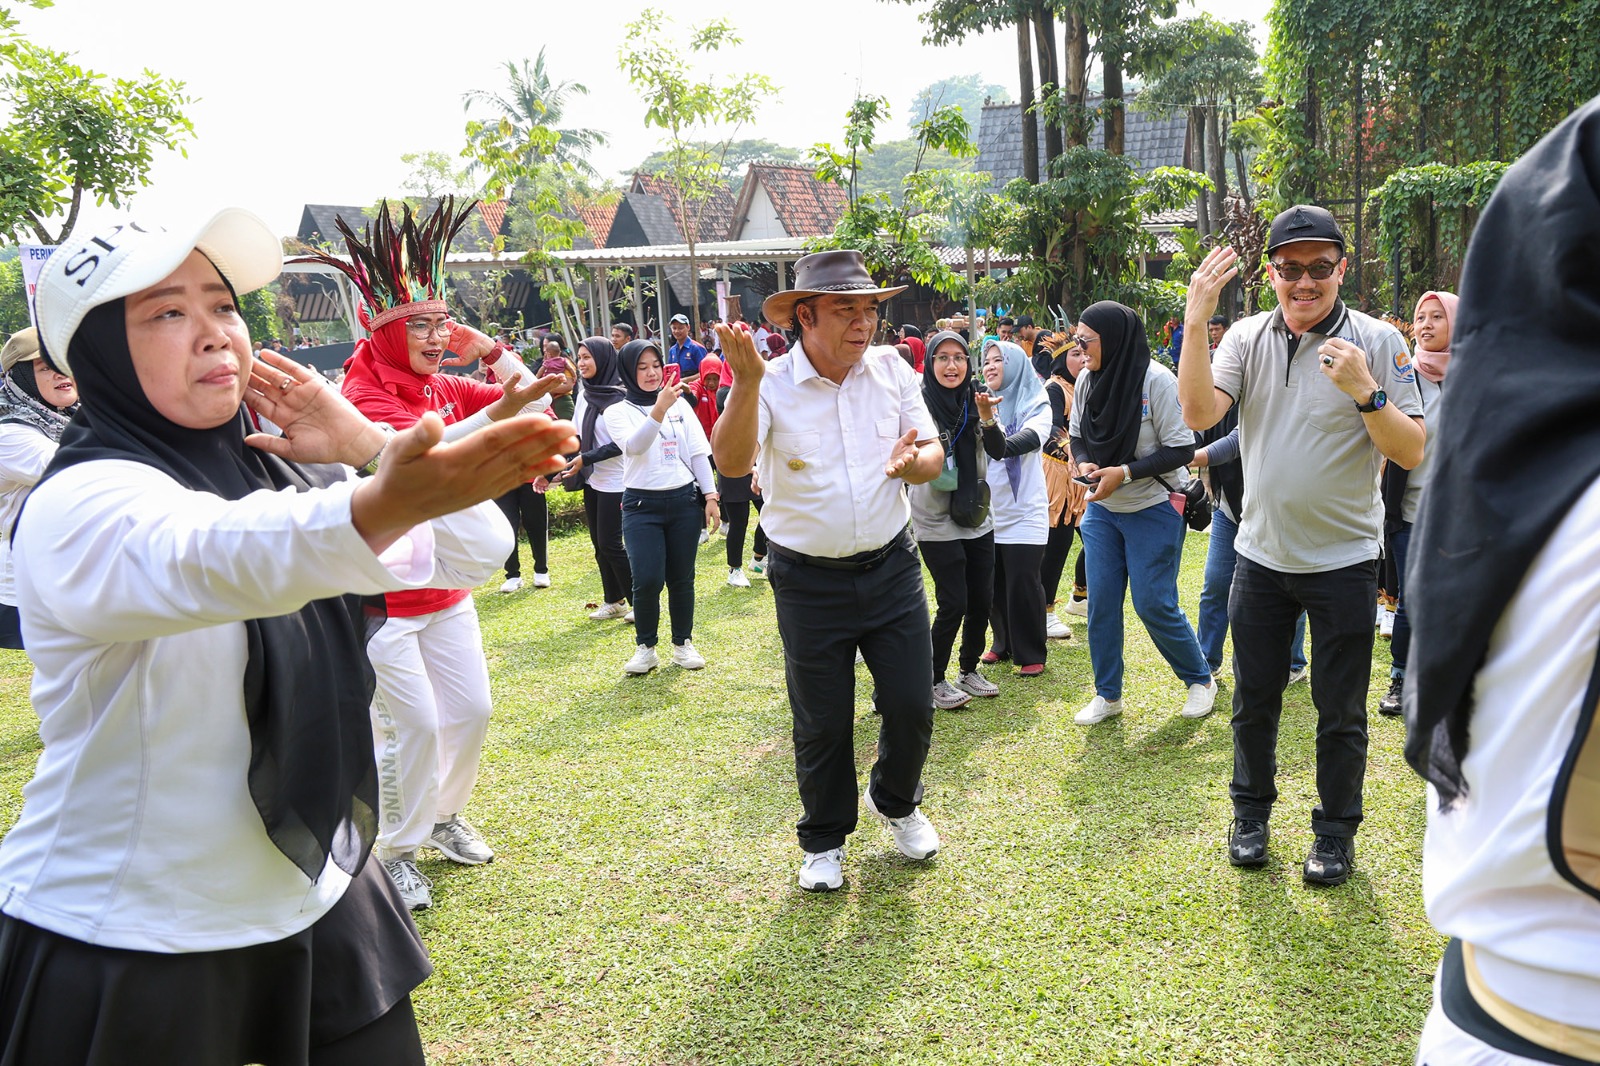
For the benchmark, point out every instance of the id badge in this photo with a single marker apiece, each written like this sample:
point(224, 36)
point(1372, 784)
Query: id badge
point(669, 450)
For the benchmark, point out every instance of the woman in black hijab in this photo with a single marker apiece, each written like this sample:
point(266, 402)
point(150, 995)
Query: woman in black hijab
point(950, 518)
point(199, 597)
point(597, 470)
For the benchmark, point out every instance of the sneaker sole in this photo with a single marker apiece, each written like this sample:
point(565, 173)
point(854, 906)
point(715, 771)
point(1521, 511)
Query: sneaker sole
point(1324, 882)
point(1248, 864)
point(821, 886)
point(454, 857)
point(952, 706)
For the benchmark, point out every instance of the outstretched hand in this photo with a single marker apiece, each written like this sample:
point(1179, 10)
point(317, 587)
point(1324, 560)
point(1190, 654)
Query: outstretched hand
point(903, 455)
point(739, 352)
point(319, 425)
point(1220, 266)
point(514, 395)
point(987, 405)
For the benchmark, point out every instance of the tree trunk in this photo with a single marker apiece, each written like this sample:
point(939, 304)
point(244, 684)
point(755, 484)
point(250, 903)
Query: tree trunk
point(1311, 111)
point(1238, 164)
point(1076, 77)
point(1030, 121)
point(1044, 39)
point(1113, 115)
point(1217, 162)
point(1202, 207)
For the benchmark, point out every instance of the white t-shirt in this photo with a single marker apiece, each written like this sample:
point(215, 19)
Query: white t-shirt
point(668, 458)
point(1023, 516)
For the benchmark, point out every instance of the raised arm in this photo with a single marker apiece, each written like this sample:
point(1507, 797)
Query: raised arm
point(1203, 403)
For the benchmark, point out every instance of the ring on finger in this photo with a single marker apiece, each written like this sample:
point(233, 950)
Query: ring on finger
point(286, 384)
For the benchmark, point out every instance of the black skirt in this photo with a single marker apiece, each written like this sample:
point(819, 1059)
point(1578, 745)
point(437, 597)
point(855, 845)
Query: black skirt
point(65, 1002)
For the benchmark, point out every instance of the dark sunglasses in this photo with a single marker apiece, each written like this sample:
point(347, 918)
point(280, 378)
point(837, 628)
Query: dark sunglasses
point(1321, 270)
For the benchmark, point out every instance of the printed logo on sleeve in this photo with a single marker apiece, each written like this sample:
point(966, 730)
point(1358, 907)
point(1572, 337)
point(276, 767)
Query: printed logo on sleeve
point(1403, 370)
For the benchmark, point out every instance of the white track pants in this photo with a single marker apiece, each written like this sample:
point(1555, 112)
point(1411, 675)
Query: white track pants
point(429, 718)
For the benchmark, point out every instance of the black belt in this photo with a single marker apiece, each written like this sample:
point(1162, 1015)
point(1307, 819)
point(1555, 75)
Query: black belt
point(858, 563)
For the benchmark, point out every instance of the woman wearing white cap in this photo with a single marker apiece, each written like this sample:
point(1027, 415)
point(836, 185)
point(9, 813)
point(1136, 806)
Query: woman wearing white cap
point(188, 879)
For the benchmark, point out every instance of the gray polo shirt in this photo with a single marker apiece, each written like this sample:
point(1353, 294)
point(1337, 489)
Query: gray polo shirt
point(1419, 474)
point(1311, 467)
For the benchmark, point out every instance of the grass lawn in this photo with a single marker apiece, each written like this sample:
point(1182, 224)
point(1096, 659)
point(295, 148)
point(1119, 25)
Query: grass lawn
point(643, 907)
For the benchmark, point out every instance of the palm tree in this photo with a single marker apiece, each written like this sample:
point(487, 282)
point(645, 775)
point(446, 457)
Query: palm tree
point(532, 102)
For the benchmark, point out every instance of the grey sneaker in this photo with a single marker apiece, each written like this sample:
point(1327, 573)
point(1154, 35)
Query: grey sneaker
point(1299, 674)
point(977, 685)
point(609, 611)
point(415, 889)
point(459, 842)
point(946, 697)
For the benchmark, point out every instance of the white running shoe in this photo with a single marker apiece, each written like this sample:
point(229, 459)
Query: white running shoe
point(541, 581)
point(1299, 674)
point(512, 584)
point(946, 697)
point(1383, 609)
point(608, 611)
point(415, 889)
point(737, 579)
point(458, 841)
point(1386, 625)
point(823, 871)
point(1200, 701)
point(976, 684)
point(1098, 710)
point(685, 656)
point(758, 568)
point(629, 616)
point(705, 535)
point(1055, 628)
point(913, 834)
point(644, 660)
point(1078, 608)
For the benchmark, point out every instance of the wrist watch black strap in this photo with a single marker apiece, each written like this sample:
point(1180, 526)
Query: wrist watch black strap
point(1375, 402)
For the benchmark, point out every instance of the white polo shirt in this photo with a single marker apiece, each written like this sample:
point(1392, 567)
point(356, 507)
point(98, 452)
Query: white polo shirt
point(824, 447)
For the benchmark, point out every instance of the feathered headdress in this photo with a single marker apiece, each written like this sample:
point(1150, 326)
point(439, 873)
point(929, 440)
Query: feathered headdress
point(399, 271)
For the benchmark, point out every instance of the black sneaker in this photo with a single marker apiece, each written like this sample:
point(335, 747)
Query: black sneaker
point(1247, 842)
point(1390, 704)
point(1330, 860)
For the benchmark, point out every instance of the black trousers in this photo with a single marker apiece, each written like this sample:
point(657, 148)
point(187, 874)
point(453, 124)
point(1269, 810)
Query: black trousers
point(823, 617)
point(1056, 550)
point(1262, 607)
point(963, 588)
point(530, 511)
point(602, 512)
point(737, 515)
point(1017, 615)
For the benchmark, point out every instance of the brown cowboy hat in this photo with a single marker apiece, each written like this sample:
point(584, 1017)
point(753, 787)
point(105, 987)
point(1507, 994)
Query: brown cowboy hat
point(839, 273)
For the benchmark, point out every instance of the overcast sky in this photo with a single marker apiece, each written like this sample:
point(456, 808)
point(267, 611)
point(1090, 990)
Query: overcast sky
point(302, 102)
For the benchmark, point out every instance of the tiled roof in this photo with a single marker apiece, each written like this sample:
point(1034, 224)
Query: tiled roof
point(597, 219)
point(806, 207)
point(1150, 141)
point(716, 215)
point(654, 218)
point(494, 215)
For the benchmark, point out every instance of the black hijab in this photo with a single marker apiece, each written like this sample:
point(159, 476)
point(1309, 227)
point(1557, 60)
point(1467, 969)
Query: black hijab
point(1527, 286)
point(629, 357)
point(1110, 426)
point(600, 391)
point(908, 330)
point(307, 682)
point(956, 413)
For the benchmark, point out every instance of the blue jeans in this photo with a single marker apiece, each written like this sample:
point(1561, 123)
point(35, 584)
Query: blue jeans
point(1220, 563)
point(1142, 549)
point(661, 529)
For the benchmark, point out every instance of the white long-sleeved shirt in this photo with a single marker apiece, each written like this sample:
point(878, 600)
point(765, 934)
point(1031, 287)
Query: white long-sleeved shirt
point(24, 454)
point(661, 455)
point(138, 829)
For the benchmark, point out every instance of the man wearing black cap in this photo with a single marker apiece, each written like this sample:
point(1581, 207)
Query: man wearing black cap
point(836, 426)
point(1325, 394)
point(684, 350)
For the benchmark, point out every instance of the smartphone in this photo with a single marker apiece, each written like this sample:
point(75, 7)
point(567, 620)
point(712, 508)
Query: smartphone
point(671, 374)
point(1091, 482)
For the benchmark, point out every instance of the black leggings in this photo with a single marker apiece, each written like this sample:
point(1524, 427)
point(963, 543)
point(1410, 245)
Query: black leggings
point(737, 515)
point(528, 509)
point(602, 511)
point(1056, 550)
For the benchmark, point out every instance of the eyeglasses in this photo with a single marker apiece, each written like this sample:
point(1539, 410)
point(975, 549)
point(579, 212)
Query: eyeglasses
point(1080, 341)
point(422, 329)
point(1321, 270)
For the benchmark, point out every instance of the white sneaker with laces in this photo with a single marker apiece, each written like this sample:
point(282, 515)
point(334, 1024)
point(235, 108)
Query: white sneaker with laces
point(1386, 626)
point(644, 660)
point(629, 616)
point(823, 871)
point(415, 889)
point(685, 656)
point(1055, 628)
point(608, 611)
point(1078, 608)
point(458, 841)
point(758, 568)
point(976, 684)
point(512, 584)
point(946, 697)
point(913, 834)
point(1299, 674)
point(1098, 710)
point(1200, 701)
point(737, 579)
point(541, 581)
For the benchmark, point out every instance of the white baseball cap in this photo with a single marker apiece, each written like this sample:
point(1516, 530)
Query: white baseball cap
point(90, 269)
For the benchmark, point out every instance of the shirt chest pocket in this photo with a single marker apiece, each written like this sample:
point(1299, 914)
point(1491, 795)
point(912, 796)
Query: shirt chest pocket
point(888, 431)
point(799, 458)
point(1325, 407)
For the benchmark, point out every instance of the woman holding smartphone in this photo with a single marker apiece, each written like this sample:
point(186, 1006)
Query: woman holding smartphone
point(597, 470)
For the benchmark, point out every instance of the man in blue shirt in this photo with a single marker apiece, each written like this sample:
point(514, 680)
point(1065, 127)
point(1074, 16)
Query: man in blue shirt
point(683, 351)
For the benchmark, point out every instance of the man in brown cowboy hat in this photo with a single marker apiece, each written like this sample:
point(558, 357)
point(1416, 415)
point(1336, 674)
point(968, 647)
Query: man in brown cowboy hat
point(835, 426)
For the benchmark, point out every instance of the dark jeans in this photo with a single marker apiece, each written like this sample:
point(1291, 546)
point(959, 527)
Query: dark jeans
point(1400, 639)
point(1056, 550)
point(1212, 629)
point(662, 532)
point(963, 587)
point(528, 509)
point(738, 517)
point(1262, 611)
point(823, 617)
point(1017, 614)
point(10, 627)
point(602, 511)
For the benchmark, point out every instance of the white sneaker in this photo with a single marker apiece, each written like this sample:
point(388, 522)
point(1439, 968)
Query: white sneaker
point(737, 579)
point(608, 611)
point(1298, 675)
point(977, 685)
point(705, 535)
point(758, 568)
point(541, 581)
point(913, 834)
point(823, 871)
point(415, 889)
point(1382, 610)
point(1055, 628)
point(1078, 608)
point(459, 842)
point(512, 584)
point(859, 657)
point(946, 697)
point(1098, 710)
point(1386, 626)
point(644, 660)
point(629, 616)
point(685, 656)
point(1201, 699)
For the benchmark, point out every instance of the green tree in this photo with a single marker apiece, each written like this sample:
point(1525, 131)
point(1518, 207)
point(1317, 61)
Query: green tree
point(73, 132)
point(660, 70)
point(13, 295)
point(431, 175)
point(533, 106)
point(965, 91)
